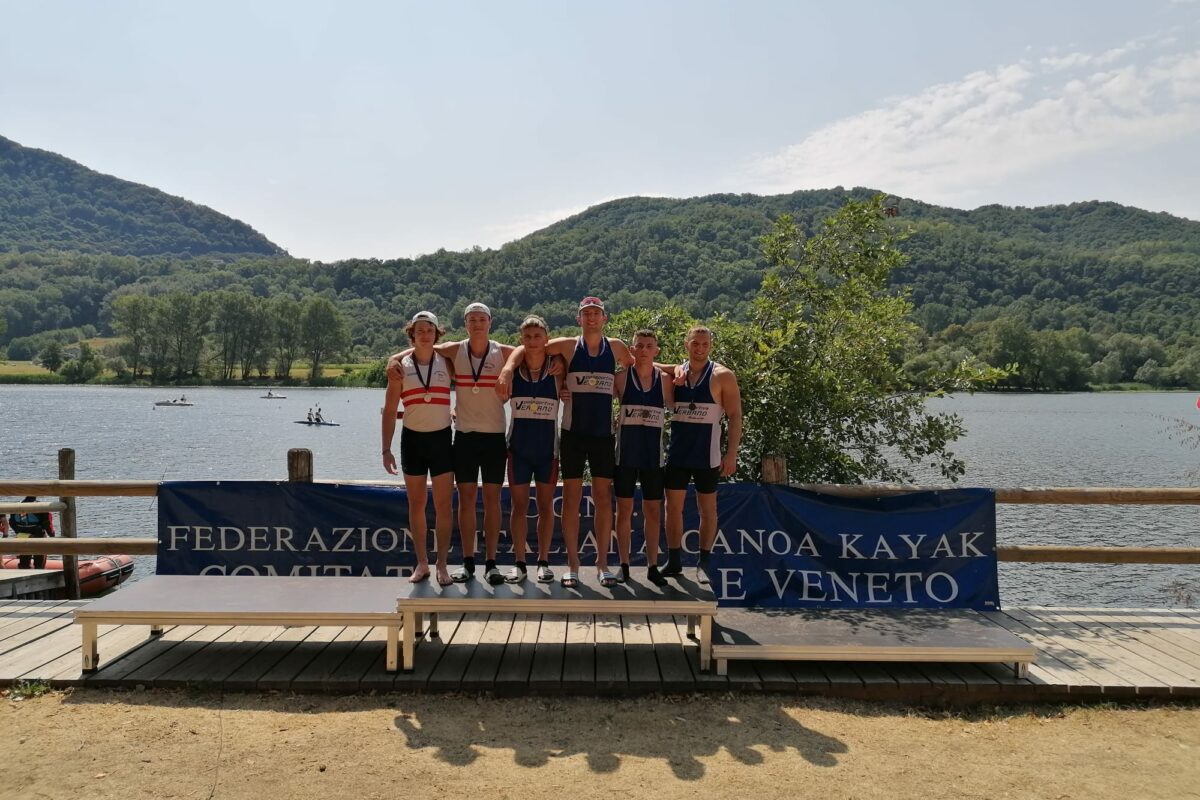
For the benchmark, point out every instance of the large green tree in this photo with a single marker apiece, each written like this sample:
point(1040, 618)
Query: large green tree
point(820, 363)
point(323, 333)
point(133, 318)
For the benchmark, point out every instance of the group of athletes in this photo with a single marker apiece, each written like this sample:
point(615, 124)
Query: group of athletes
point(584, 374)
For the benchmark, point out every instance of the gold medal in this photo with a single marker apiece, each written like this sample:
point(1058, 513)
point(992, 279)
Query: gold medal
point(428, 397)
point(474, 390)
point(593, 382)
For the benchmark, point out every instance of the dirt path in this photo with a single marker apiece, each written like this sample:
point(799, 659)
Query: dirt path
point(162, 744)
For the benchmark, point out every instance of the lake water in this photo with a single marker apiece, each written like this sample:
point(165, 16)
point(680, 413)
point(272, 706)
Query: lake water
point(1012, 440)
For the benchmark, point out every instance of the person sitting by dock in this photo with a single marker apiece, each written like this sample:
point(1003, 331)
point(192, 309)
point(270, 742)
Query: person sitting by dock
point(31, 525)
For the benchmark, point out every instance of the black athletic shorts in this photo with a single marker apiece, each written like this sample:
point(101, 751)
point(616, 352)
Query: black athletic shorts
point(678, 478)
point(425, 452)
point(625, 480)
point(521, 471)
point(475, 452)
point(598, 451)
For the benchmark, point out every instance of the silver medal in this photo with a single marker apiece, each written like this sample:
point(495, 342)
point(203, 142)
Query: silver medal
point(428, 397)
point(474, 390)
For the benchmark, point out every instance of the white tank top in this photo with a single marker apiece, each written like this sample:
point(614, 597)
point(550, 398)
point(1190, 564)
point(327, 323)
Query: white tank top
point(426, 395)
point(477, 409)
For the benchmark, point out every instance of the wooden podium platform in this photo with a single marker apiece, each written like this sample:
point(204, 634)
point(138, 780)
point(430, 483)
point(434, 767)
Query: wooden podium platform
point(865, 635)
point(681, 596)
point(244, 600)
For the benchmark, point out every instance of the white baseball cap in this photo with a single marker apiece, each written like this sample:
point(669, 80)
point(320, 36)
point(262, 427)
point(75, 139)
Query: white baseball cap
point(425, 316)
point(477, 307)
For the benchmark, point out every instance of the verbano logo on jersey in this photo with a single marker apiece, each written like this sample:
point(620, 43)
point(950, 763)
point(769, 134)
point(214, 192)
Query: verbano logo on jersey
point(603, 382)
point(652, 415)
point(686, 414)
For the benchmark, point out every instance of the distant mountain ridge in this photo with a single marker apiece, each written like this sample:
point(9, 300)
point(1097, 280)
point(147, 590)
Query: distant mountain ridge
point(49, 202)
point(1108, 269)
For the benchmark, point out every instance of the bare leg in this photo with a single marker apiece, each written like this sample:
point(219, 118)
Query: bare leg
point(468, 522)
point(572, 492)
point(708, 519)
point(545, 521)
point(675, 502)
point(443, 515)
point(624, 527)
point(708, 532)
point(518, 522)
point(652, 517)
point(414, 487)
point(602, 498)
point(675, 498)
point(491, 518)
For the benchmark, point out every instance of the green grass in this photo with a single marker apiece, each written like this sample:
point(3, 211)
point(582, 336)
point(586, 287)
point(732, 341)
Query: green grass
point(22, 368)
point(25, 690)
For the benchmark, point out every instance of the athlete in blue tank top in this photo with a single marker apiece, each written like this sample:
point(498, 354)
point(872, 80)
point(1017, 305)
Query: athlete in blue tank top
point(708, 391)
point(587, 437)
point(532, 445)
point(644, 396)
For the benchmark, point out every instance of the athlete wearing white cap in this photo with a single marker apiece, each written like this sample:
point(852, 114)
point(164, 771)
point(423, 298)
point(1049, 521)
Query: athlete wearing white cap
point(421, 381)
point(479, 447)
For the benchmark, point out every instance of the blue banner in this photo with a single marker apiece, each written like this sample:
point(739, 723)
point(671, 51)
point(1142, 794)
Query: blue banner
point(776, 546)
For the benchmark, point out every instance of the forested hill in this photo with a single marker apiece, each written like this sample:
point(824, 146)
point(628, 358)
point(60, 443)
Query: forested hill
point(1120, 284)
point(1087, 263)
point(50, 202)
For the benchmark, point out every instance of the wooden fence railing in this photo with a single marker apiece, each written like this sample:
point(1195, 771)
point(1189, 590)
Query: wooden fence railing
point(300, 468)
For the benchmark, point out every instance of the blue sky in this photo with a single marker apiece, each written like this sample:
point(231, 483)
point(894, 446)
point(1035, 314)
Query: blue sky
point(362, 129)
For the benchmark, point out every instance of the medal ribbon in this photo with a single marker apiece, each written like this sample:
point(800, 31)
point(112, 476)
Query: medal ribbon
point(476, 373)
point(428, 378)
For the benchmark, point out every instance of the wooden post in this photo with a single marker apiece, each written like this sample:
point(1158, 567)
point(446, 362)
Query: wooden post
point(300, 465)
point(66, 472)
point(774, 469)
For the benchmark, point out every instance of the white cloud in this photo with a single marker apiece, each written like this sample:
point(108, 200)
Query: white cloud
point(951, 142)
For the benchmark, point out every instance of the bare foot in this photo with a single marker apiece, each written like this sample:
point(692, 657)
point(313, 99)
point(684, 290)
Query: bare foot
point(419, 574)
point(443, 575)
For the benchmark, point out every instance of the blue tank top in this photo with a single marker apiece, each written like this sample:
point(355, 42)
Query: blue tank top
point(639, 443)
point(533, 431)
point(590, 379)
point(696, 425)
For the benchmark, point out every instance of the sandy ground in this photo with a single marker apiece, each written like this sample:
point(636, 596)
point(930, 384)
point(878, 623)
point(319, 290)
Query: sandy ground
point(167, 744)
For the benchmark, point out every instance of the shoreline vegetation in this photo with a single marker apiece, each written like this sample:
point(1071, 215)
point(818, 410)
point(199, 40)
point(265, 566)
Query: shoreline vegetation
point(359, 375)
point(829, 353)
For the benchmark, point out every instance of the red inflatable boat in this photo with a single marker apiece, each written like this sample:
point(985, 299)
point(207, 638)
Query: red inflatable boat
point(96, 575)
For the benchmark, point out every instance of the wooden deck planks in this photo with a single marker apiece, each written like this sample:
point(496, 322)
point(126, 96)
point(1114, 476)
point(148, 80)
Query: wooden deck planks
point(448, 675)
point(1082, 652)
point(546, 673)
point(512, 674)
point(671, 653)
point(485, 660)
point(612, 673)
point(639, 654)
point(1106, 660)
point(579, 654)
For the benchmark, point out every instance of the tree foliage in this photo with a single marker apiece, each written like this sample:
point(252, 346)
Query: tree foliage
point(821, 372)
